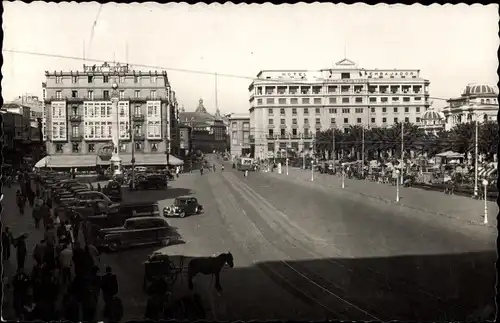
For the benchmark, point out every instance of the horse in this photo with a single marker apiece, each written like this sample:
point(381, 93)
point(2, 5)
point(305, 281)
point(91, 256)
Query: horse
point(209, 266)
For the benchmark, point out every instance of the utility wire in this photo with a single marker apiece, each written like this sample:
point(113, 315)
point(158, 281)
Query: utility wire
point(94, 24)
point(298, 82)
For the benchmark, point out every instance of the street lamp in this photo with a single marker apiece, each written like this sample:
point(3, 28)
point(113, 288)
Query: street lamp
point(397, 185)
point(286, 153)
point(343, 175)
point(312, 161)
point(485, 183)
point(115, 158)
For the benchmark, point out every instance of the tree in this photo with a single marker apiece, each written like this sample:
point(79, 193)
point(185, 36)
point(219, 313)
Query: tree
point(462, 138)
point(488, 139)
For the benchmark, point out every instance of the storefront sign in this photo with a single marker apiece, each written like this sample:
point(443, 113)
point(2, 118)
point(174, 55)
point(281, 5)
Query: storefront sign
point(347, 81)
point(106, 68)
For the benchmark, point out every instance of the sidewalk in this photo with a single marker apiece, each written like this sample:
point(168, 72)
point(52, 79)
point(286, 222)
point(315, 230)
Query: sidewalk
point(452, 206)
point(18, 225)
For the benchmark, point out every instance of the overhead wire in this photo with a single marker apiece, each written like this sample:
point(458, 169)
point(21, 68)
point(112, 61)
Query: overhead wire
point(192, 71)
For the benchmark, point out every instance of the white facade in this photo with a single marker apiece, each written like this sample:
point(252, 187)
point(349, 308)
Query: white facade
point(97, 120)
point(288, 107)
point(153, 120)
point(477, 102)
point(124, 119)
point(59, 121)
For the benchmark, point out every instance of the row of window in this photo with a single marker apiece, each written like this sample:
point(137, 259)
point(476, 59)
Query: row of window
point(103, 130)
point(105, 79)
point(332, 89)
point(245, 125)
point(333, 120)
point(91, 94)
point(235, 140)
point(373, 110)
point(331, 100)
point(91, 148)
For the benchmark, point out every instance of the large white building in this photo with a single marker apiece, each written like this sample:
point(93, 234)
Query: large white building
point(477, 102)
point(292, 105)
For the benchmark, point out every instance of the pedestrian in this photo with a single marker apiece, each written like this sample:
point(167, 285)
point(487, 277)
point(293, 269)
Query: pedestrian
point(39, 251)
point(71, 307)
point(94, 254)
point(37, 216)
point(99, 188)
point(246, 173)
point(65, 261)
point(75, 221)
point(69, 231)
point(31, 197)
point(20, 245)
point(21, 202)
point(50, 234)
point(7, 241)
point(109, 286)
point(49, 255)
point(20, 285)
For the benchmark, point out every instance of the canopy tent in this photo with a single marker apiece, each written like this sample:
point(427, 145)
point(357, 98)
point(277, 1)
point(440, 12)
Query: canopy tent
point(450, 155)
point(70, 161)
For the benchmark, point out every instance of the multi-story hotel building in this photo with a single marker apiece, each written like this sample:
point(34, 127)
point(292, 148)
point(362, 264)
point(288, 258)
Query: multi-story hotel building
point(80, 118)
point(239, 134)
point(292, 105)
point(477, 102)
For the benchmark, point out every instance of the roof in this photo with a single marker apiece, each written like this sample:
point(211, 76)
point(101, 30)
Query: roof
point(479, 89)
point(432, 115)
point(137, 218)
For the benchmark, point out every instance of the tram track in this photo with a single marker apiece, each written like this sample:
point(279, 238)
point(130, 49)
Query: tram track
point(286, 275)
point(396, 288)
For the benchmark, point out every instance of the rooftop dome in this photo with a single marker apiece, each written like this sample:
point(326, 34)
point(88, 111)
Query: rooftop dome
point(432, 115)
point(479, 89)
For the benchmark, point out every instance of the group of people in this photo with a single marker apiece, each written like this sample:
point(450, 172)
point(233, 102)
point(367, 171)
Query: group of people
point(64, 282)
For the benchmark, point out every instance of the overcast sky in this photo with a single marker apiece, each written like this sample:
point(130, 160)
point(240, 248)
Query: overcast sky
point(451, 45)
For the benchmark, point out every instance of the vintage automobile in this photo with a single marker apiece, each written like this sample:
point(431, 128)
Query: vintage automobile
point(182, 207)
point(137, 231)
point(154, 181)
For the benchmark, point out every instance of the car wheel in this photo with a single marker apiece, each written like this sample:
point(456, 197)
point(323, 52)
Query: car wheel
point(198, 211)
point(114, 246)
point(182, 214)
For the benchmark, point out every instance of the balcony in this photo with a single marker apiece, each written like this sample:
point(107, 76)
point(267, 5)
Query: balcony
point(75, 118)
point(138, 137)
point(76, 138)
point(138, 118)
point(307, 136)
point(270, 137)
point(74, 100)
point(137, 99)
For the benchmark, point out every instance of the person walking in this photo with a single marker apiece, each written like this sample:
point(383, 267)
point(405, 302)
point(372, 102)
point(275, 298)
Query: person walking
point(20, 244)
point(109, 286)
point(38, 252)
point(7, 241)
point(65, 261)
point(37, 216)
point(21, 202)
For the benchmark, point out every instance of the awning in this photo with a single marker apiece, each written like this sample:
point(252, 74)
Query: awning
point(150, 160)
point(450, 154)
point(67, 161)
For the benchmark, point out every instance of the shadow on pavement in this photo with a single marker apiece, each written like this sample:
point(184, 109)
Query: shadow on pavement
point(419, 288)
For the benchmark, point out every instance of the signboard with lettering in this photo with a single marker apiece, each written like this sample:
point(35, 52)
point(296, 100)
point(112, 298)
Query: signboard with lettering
point(351, 81)
point(106, 68)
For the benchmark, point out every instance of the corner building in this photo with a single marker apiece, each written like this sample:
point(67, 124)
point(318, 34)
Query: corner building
point(79, 117)
point(288, 107)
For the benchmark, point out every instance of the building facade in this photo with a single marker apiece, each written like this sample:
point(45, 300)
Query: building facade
point(208, 132)
point(292, 105)
point(35, 105)
point(477, 102)
point(239, 134)
point(432, 122)
point(79, 116)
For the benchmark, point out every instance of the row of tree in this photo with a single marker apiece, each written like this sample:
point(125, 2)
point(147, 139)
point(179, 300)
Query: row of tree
point(380, 142)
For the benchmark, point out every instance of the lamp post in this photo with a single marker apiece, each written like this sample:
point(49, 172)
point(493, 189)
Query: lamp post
point(475, 155)
point(485, 183)
point(115, 158)
point(343, 175)
point(397, 185)
point(286, 154)
point(312, 161)
point(402, 150)
point(303, 153)
point(132, 135)
point(363, 152)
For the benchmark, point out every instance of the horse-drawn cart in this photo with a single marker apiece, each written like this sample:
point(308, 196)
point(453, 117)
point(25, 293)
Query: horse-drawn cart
point(160, 267)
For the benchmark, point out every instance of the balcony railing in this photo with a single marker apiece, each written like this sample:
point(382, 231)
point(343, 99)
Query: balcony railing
point(138, 118)
point(76, 138)
point(75, 118)
point(270, 137)
point(139, 137)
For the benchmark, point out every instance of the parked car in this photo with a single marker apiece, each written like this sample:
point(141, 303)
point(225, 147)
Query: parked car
point(101, 215)
point(151, 182)
point(182, 207)
point(137, 231)
point(92, 195)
